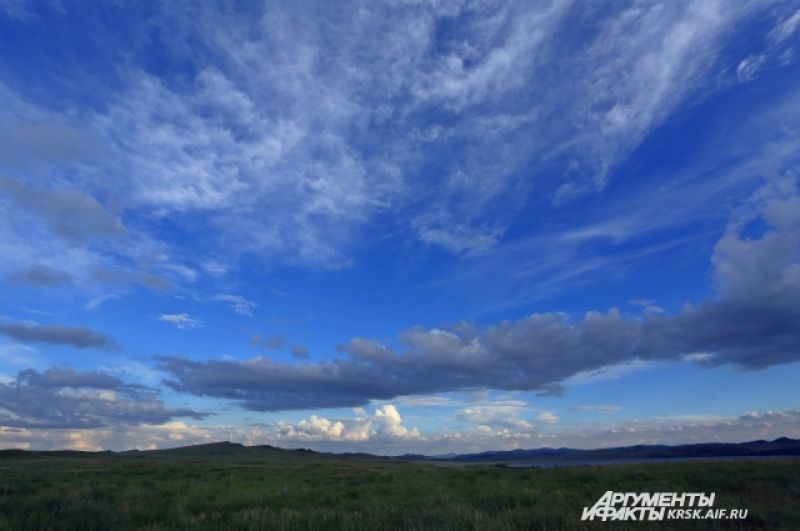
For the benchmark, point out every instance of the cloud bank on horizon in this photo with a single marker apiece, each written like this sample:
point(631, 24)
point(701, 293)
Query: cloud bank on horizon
point(413, 226)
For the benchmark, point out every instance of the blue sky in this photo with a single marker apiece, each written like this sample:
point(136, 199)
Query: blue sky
point(389, 227)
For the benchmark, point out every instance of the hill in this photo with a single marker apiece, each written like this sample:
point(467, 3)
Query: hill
point(779, 447)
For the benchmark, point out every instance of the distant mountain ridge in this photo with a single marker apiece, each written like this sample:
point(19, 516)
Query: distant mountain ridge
point(783, 446)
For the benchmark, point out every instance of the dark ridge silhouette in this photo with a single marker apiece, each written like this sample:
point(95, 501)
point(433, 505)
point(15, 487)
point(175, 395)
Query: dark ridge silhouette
point(779, 447)
point(782, 446)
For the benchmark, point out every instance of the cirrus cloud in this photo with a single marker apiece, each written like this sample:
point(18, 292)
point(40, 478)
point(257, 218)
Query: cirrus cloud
point(181, 321)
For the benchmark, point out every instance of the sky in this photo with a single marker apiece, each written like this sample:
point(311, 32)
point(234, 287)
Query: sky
point(411, 226)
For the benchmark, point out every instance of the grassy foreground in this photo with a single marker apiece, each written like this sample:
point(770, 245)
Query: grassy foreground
point(293, 490)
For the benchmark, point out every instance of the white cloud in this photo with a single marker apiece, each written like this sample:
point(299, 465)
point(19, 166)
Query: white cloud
point(597, 408)
point(360, 434)
point(17, 9)
point(471, 74)
point(548, 417)
point(458, 239)
point(749, 67)
point(238, 303)
point(426, 401)
point(215, 268)
point(390, 424)
point(384, 425)
point(143, 437)
point(699, 357)
point(609, 372)
point(754, 276)
point(294, 172)
point(784, 29)
point(495, 413)
point(646, 60)
point(320, 427)
point(268, 182)
point(182, 321)
point(96, 302)
point(15, 438)
point(18, 354)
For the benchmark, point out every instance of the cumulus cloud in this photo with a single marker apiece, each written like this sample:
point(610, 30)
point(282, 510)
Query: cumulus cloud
point(390, 424)
point(385, 424)
point(497, 413)
point(451, 134)
point(547, 416)
point(511, 355)
point(57, 335)
point(181, 321)
point(765, 425)
point(315, 428)
point(359, 435)
point(117, 437)
point(61, 398)
point(751, 323)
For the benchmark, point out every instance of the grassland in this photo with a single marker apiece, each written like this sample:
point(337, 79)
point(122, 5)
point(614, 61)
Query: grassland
point(297, 490)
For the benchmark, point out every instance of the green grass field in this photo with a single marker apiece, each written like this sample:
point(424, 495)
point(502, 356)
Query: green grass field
point(296, 490)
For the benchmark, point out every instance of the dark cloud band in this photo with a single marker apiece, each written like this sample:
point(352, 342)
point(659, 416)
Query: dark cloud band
point(753, 322)
point(62, 398)
point(57, 335)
